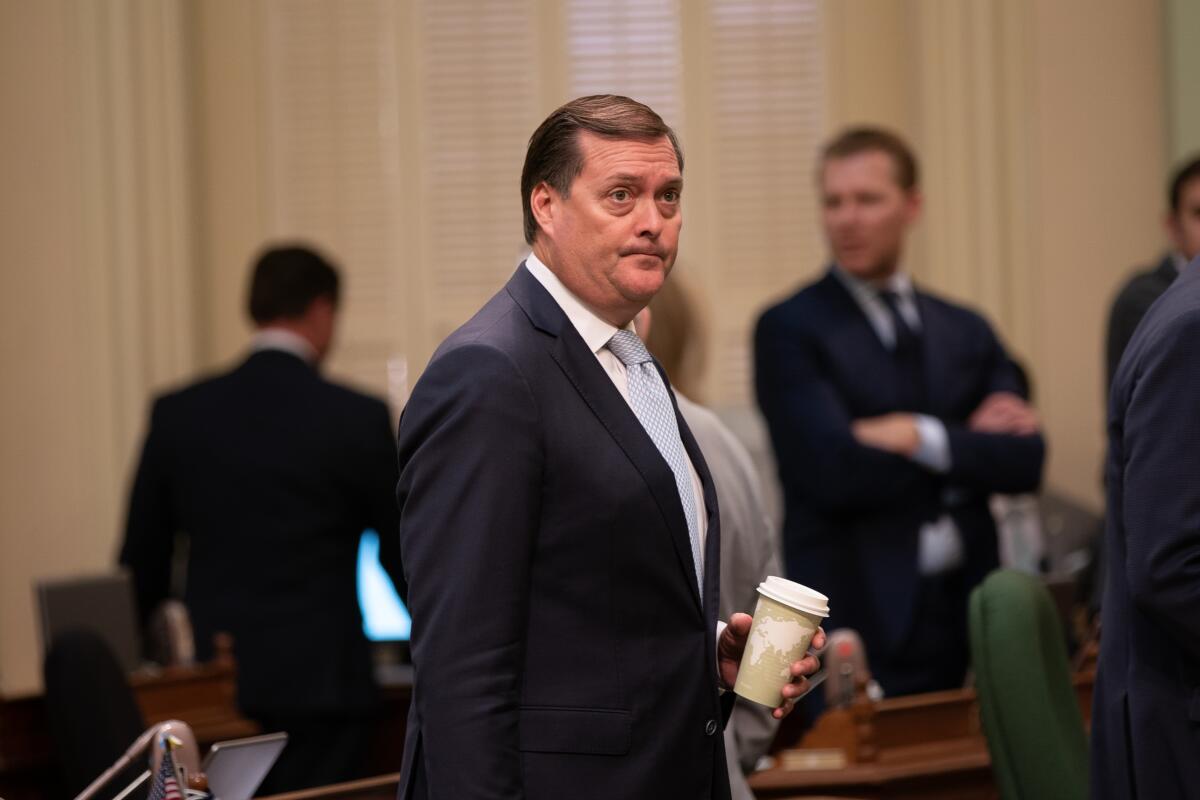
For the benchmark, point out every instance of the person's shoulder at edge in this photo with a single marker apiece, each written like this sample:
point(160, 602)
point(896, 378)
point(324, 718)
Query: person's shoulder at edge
point(1145, 280)
point(1174, 318)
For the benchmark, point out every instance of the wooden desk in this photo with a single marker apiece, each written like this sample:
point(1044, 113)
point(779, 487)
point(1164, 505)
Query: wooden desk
point(924, 746)
point(384, 787)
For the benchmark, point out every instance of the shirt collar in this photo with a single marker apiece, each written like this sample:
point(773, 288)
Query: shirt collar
point(594, 331)
point(897, 282)
point(282, 339)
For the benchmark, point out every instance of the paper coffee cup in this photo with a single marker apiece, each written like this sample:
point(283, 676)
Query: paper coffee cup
point(785, 621)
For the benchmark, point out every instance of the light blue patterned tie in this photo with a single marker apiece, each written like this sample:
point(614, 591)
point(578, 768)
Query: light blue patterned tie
point(651, 404)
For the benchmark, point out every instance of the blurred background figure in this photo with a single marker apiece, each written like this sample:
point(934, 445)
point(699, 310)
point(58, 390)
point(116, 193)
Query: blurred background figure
point(267, 476)
point(894, 415)
point(749, 553)
point(1182, 223)
point(1019, 528)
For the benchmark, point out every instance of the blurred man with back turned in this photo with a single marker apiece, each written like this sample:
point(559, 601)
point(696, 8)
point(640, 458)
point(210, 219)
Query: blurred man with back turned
point(893, 414)
point(558, 523)
point(674, 335)
point(272, 473)
point(1146, 709)
point(1141, 290)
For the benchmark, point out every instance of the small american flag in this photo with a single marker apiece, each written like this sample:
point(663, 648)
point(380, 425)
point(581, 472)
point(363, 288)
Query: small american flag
point(165, 787)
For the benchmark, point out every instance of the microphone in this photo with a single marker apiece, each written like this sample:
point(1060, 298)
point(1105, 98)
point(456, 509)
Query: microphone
point(846, 662)
point(187, 755)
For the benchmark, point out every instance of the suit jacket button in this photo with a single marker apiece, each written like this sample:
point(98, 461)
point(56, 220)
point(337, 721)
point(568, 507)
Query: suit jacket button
point(710, 727)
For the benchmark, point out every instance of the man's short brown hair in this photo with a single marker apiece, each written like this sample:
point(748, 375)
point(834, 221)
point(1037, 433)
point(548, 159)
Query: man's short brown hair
point(287, 279)
point(554, 156)
point(854, 141)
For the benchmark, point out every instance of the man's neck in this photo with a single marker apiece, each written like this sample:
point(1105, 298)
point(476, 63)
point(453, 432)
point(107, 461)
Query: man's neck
point(287, 338)
point(880, 280)
point(542, 253)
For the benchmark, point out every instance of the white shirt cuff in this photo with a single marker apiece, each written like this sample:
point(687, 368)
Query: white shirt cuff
point(941, 547)
point(933, 452)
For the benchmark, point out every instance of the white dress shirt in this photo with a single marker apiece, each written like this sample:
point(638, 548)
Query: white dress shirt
point(595, 333)
point(941, 547)
point(282, 339)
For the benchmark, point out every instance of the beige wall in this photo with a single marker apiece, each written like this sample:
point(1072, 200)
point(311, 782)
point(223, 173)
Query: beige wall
point(1100, 162)
point(1181, 22)
point(137, 164)
point(98, 302)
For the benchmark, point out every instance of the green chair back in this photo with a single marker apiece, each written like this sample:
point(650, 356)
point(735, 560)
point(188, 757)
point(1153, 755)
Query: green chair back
point(1034, 729)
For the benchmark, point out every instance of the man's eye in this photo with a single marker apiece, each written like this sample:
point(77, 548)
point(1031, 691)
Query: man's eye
point(620, 195)
point(671, 195)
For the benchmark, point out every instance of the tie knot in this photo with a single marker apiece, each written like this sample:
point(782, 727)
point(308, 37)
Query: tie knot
point(626, 346)
point(891, 297)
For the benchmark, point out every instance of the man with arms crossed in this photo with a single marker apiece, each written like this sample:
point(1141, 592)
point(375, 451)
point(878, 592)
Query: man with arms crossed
point(558, 521)
point(893, 415)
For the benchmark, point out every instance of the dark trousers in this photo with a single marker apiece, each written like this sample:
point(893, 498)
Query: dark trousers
point(935, 654)
point(320, 750)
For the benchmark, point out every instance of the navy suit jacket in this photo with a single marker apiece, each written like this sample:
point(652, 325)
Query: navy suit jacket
point(1130, 305)
point(852, 512)
point(273, 473)
point(1146, 714)
point(560, 645)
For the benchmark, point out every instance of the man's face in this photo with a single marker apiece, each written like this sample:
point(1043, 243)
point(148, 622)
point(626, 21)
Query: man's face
point(613, 239)
point(866, 213)
point(1184, 226)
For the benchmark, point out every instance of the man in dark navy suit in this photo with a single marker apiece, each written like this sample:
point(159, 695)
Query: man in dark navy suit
point(558, 522)
point(893, 415)
point(272, 474)
point(1146, 710)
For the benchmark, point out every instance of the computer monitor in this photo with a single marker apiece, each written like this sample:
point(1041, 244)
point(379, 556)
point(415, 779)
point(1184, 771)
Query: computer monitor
point(102, 604)
point(385, 619)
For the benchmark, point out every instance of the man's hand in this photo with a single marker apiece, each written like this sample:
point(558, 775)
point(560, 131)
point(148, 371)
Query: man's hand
point(896, 433)
point(1004, 412)
point(732, 644)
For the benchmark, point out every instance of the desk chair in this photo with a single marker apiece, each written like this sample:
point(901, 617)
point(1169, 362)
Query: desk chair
point(1031, 718)
point(91, 712)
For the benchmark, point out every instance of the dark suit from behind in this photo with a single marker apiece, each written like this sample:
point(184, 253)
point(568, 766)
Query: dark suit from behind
point(272, 473)
point(561, 648)
point(853, 513)
point(1146, 713)
point(1130, 305)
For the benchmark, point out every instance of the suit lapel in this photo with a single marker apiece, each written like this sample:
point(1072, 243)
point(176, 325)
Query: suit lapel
point(584, 372)
point(712, 540)
point(857, 336)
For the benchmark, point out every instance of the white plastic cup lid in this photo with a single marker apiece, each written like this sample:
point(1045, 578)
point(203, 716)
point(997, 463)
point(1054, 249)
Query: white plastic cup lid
point(795, 595)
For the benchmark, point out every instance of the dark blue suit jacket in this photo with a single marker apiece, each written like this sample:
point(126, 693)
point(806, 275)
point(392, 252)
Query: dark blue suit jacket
point(273, 473)
point(852, 512)
point(560, 645)
point(1146, 715)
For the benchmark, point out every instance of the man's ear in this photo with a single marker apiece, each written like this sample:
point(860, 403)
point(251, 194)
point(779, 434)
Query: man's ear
point(915, 203)
point(544, 203)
